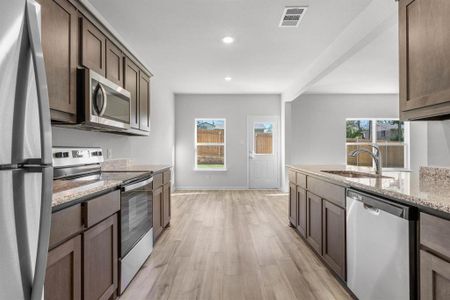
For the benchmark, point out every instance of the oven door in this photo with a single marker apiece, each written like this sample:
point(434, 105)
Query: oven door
point(136, 216)
point(109, 104)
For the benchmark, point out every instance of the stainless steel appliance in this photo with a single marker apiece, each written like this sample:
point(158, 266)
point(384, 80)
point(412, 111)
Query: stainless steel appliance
point(380, 245)
point(136, 221)
point(105, 106)
point(136, 202)
point(25, 153)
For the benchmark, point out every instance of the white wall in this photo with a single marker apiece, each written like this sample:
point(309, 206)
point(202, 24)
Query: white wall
point(318, 126)
point(157, 148)
point(235, 108)
point(439, 143)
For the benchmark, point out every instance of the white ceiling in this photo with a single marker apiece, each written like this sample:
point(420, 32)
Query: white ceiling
point(372, 70)
point(180, 41)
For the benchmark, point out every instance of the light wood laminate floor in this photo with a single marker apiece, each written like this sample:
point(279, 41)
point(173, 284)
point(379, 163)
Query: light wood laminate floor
point(232, 245)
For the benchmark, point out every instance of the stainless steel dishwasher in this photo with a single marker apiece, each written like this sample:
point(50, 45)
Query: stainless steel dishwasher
point(380, 248)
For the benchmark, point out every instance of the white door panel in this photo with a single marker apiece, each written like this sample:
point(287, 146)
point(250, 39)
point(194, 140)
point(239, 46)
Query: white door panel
point(263, 152)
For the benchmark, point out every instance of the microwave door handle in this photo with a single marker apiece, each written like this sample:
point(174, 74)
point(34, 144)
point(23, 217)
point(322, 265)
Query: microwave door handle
point(34, 35)
point(105, 100)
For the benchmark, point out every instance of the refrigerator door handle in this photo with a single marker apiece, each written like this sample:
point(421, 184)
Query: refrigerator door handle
point(34, 36)
point(44, 234)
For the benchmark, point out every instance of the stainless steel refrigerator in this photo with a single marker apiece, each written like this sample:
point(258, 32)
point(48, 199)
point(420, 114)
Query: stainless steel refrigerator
point(25, 153)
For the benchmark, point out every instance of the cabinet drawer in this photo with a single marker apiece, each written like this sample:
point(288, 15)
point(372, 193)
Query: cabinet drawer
point(157, 180)
point(332, 192)
point(292, 175)
point(65, 223)
point(301, 180)
point(435, 234)
point(166, 177)
point(101, 207)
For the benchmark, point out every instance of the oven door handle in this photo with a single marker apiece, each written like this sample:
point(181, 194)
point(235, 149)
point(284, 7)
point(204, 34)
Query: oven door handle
point(137, 185)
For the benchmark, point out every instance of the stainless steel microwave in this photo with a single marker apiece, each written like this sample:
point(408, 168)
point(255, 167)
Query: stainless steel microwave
point(105, 105)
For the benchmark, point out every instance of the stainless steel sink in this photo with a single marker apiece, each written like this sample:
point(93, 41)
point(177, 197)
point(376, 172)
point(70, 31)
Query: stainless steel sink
point(353, 174)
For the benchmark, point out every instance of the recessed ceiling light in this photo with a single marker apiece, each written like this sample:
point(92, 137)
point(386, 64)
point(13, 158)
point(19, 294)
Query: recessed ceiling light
point(228, 40)
point(228, 78)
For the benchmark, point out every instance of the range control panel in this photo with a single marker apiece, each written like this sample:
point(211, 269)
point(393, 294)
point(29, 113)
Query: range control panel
point(66, 156)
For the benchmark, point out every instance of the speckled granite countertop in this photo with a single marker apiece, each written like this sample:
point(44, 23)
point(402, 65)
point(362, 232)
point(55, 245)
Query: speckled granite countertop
point(65, 191)
point(428, 189)
point(125, 165)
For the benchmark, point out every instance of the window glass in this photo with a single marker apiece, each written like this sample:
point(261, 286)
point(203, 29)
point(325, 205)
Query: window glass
point(263, 138)
point(389, 135)
point(359, 131)
point(210, 144)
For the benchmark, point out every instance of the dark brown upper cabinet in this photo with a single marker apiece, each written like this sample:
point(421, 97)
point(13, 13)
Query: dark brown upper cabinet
point(114, 63)
point(144, 101)
point(60, 47)
point(93, 47)
point(131, 84)
point(424, 59)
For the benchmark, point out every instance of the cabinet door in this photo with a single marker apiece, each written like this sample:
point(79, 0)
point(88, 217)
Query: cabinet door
point(293, 204)
point(157, 213)
point(93, 48)
point(166, 205)
point(334, 237)
point(131, 84)
point(434, 277)
point(60, 47)
point(114, 63)
point(301, 211)
point(424, 58)
point(314, 221)
point(100, 260)
point(144, 101)
point(63, 276)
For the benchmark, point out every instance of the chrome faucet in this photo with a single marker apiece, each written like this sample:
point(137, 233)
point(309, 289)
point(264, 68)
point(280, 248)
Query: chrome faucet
point(375, 156)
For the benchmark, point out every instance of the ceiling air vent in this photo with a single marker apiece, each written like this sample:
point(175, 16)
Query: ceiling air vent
point(292, 16)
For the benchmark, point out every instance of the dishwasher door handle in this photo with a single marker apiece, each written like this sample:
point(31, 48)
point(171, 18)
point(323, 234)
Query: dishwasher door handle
point(372, 210)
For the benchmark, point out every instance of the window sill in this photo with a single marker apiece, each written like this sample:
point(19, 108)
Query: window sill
point(210, 170)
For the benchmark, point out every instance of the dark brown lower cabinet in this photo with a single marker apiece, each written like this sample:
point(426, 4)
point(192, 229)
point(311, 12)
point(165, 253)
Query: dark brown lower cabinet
point(100, 260)
point(434, 277)
point(157, 215)
point(301, 211)
point(333, 237)
point(293, 204)
point(314, 222)
point(166, 205)
point(63, 277)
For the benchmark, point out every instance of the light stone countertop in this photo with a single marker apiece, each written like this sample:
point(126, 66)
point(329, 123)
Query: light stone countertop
point(429, 189)
point(126, 165)
point(65, 191)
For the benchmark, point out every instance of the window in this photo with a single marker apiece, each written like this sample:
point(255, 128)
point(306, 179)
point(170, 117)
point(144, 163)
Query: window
point(210, 146)
point(263, 138)
point(392, 136)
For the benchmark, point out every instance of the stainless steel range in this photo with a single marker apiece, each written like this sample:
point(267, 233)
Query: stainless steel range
point(136, 216)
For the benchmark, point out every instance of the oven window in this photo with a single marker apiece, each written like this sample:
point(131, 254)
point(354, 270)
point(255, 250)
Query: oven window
point(136, 218)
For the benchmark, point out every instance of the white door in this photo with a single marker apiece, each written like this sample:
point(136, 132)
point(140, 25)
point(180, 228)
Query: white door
point(263, 152)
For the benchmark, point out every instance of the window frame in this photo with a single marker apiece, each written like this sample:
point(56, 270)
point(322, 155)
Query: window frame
point(224, 144)
point(406, 141)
